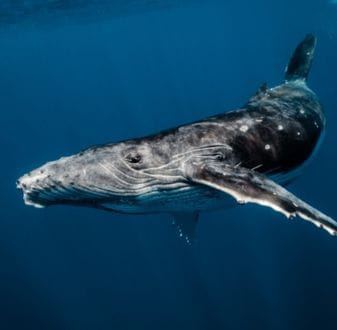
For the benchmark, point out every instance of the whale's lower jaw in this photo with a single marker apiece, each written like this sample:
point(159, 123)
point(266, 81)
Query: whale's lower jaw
point(30, 202)
point(23, 184)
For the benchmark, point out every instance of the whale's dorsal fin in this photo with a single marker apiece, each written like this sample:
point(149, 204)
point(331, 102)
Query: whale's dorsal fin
point(186, 223)
point(247, 186)
point(301, 60)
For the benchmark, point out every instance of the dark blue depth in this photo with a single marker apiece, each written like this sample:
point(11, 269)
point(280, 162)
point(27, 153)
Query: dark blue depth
point(111, 70)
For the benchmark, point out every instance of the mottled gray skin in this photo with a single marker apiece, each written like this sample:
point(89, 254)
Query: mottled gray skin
point(274, 133)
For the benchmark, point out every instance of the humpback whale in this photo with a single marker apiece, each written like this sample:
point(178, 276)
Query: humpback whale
point(243, 156)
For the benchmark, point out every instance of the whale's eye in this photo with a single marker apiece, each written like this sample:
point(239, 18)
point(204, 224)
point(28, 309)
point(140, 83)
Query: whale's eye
point(133, 157)
point(220, 157)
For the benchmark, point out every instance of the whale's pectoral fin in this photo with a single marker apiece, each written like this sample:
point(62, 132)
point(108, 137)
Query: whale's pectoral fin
point(186, 223)
point(248, 186)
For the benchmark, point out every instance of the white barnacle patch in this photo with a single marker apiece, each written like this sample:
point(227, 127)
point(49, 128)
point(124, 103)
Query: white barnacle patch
point(298, 133)
point(280, 127)
point(244, 128)
point(267, 146)
point(316, 124)
point(259, 120)
point(302, 111)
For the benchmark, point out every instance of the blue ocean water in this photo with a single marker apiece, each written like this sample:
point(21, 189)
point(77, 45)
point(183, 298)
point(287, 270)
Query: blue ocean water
point(78, 73)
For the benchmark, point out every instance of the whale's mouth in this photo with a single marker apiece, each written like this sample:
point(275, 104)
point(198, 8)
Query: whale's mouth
point(41, 190)
point(92, 178)
point(79, 181)
point(30, 190)
point(50, 184)
point(45, 191)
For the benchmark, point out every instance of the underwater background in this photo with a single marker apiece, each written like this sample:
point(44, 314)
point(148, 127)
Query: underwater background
point(77, 73)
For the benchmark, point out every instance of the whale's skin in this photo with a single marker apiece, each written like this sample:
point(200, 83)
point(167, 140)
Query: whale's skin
point(178, 170)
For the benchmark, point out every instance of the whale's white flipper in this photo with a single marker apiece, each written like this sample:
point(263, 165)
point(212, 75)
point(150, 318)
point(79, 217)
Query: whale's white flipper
point(247, 186)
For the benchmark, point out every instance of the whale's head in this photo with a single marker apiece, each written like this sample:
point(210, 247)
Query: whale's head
point(118, 174)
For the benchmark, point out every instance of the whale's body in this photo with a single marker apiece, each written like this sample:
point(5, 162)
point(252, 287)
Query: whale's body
point(208, 164)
